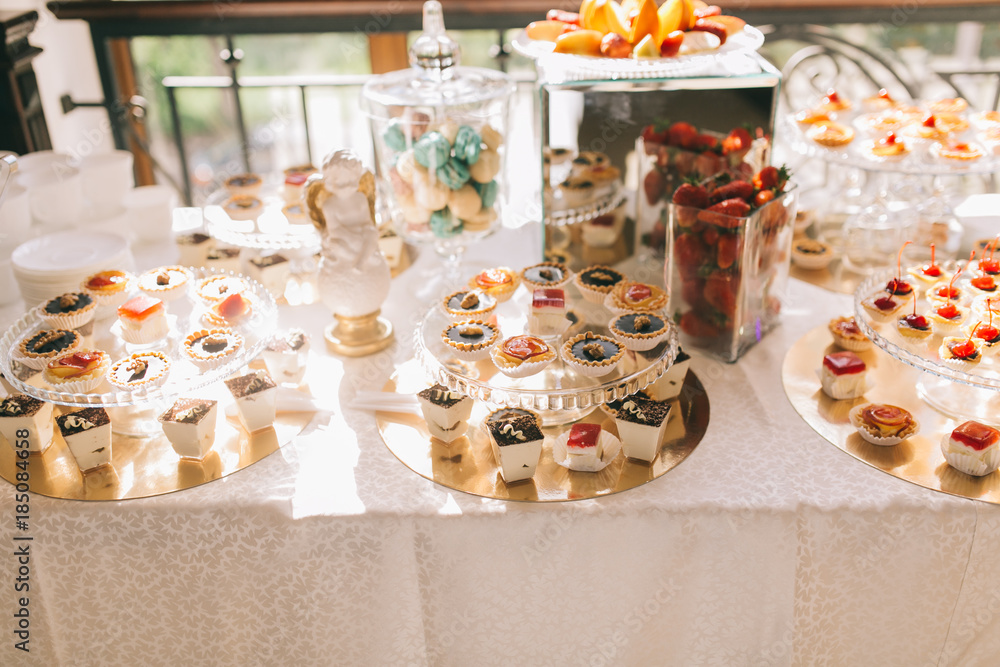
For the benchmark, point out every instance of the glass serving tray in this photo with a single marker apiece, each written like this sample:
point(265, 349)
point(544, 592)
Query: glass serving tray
point(984, 375)
point(271, 230)
point(560, 217)
point(184, 316)
point(749, 40)
point(558, 392)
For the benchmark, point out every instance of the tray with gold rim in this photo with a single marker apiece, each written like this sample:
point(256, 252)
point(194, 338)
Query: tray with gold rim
point(918, 459)
point(183, 377)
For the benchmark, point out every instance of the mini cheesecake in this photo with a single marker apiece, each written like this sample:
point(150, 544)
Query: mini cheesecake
point(29, 416)
point(988, 337)
point(639, 331)
point(68, 311)
point(77, 372)
point(189, 425)
point(166, 283)
point(469, 304)
point(216, 288)
point(143, 320)
point(143, 370)
point(193, 248)
point(848, 335)
point(256, 397)
point(209, 348)
point(583, 445)
point(43, 346)
point(929, 273)
point(521, 356)
point(271, 271)
point(631, 297)
point(592, 355)
point(900, 289)
point(517, 447)
point(641, 423)
point(87, 433)
point(446, 412)
point(595, 282)
point(285, 356)
point(983, 284)
point(234, 310)
point(843, 375)
point(470, 340)
point(944, 294)
point(108, 288)
point(499, 282)
point(883, 425)
point(548, 311)
point(972, 448)
point(546, 274)
point(668, 386)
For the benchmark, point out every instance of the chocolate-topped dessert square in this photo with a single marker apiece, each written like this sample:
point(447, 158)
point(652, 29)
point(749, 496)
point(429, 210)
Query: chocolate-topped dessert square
point(21, 413)
point(189, 425)
point(87, 433)
point(516, 430)
point(446, 412)
point(641, 423)
point(517, 446)
point(256, 398)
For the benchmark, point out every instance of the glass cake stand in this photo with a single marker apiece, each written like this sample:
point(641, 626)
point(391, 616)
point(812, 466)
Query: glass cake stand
point(140, 407)
point(270, 231)
point(958, 392)
point(560, 217)
point(558, 393)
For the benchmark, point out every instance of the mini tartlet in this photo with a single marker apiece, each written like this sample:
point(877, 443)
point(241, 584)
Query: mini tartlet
point(470, 340)
point(43, 346)
point(108, 288)
point(499, 282)
point(929, 273)
point(546, 274)
point(243, 184)
point(209, 348)
point(811, 254)
point(882, 307)
point(987, 335)
point(166, 283)
point(632, 297)
point(882, 424)
point(959, 352)
point(947, 318)
point(834, 101)
point(888, 147)
point(234, 310)
point(847, 335)
point(957, 150)
point(592, 355)
point(639, 331)
point(143, 370)
point(596, 282)
point(469, 304)
point(914, 328)
point(68, 311)
point(938, 294)
point(831, 135)
point(243, 208)
point(77, 372)
point(218, 287)
point(949, 105)
point(521, 356)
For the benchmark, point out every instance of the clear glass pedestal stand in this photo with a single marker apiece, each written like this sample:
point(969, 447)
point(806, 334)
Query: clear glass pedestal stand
point(873, 237)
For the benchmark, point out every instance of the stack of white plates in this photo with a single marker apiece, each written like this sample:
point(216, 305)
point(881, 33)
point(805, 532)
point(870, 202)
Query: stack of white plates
point(54, 264)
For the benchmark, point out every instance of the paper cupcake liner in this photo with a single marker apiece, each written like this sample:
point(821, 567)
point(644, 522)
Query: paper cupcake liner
point(949, 329)
point(609, 444)
point(592, 295)
point(473, 355)
point(963, 365)
point(523, 370)
point(930, 281)
point(812, 262)
point(851, 344)
point(976, 464)
point(145, 335)
point(590, 371)
point(637, 343)
point(856, 422)
point(38, 363)
point(612, 304)
point(106, 301)
point(68, 320)
point(81, 386)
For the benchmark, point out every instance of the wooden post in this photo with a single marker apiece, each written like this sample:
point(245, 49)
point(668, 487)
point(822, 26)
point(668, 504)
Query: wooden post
point(388, 52)
point(124, 68)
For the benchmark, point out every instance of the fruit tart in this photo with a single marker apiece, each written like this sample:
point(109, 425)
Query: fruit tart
point(521, 356)
point(988, 337)
point(983, 284)
point(471, 340)
point(108, 288)
point(957, 150)
point(596, 282)
point(499, 282)
point(43, 346)
point(77, 372)
point(883, 425)
point(209, 348)
point(834, 101)
point(914, 327)
point(847, 334)
point(843, 375)
point(888, 147)
point(947, 318)
point(234, 310)
point(68, 311)
point(883, 307)
point(633, 297)
point(831, 135)
point(973, 448)
point(945, 293)
point(592, 355)
point(167, 283)
point(144, 370)
point(880, 101)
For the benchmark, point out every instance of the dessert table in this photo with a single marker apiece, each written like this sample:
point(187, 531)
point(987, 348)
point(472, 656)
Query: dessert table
point(767, 546)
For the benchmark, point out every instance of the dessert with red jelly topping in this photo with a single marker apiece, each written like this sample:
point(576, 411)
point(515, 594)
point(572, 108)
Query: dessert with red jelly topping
point(143, 320)
point(843, 375)
point(985, 284)
point(882, 424)
point(521, 356)
point(628, 296)
point(499, 282)
point(583, 445)
point(548, 311)
point(972, 448)
point(233, 310)
point(77, 372)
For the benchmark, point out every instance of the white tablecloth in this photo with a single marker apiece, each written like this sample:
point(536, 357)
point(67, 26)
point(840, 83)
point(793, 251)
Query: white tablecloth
point(767, 547)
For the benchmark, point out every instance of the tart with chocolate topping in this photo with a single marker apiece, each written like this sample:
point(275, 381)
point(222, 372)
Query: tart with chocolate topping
point(469, 304)
point(68, 311)
point(209, 348)
point(243, 184)
point(595, 282)
point(166, 283)
point(592, 354)
point(470, 340)
point(42, 346)
point(546, 274)
point(141, 370)
point(639, 331)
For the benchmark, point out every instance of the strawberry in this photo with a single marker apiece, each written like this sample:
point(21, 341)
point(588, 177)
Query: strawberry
point(763, 197)
point(697, 327)
point(654, 186)
point(710, 236)
point(771, 177)
point(692, 195)
point(726, 213)
point(689, 255)
point(738, 189)
point(682, 134)
point(652, 135)
point(706, 142)
point(691, 290)
point(707, 163)
point(720, 293)
point(684, 163)
point(728, 250)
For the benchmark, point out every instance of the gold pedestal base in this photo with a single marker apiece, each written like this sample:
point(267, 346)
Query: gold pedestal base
point(358, 336)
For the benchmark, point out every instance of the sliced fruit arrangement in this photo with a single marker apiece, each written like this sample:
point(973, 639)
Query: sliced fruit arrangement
point(636, 28)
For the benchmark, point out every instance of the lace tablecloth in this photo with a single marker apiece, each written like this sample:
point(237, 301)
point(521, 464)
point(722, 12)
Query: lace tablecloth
point(767, 547)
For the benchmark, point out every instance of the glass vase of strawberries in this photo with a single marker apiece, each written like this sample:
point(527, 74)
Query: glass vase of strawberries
point(729, 255)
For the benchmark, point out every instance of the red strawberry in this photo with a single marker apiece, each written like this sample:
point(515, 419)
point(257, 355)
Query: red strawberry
point(706, 142)
point(710, 236)
point(707, 163)
point(689, 254)
point(651, 136)
point(738, 142)
point(720, 293)
point(697, 327)
point(714, 27)
point(728, 250)
point(771, 177)
point(691, 290)
point(692, 195)
point(733, 189)
point(726, 213)
point(682, 134)
point(654, 186)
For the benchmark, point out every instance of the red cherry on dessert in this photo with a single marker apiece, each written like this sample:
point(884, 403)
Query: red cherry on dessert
point(991, 266)
point(638, 292)
point(883, 94)
point(930, 121)
point(931, 270)
point(832, 97)
point(963, 349)
point(946, 292)
point(584, 435)
point(948, 311)
point(985, 283)
point(524, 347)
point(917, 322)
point(844, 363)
point(888, 140)
point(987, 333)
point(898, 286)
point(885, 303)
point(976, 436)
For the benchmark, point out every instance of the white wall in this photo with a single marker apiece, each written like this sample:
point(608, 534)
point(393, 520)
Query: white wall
point(67, 66)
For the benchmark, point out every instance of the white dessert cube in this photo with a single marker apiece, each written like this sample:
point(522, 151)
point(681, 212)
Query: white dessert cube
point(271, 271)
point(256, 397)
point(669, 385)
point(583, 446)
point(641, 423)
point(285, 356)
point(392, 249)
point(445, 412)
point(224, 259)
point(517, 446)
point(193, 248)
point(25, 418)
point(87, 433)
point(189, 425)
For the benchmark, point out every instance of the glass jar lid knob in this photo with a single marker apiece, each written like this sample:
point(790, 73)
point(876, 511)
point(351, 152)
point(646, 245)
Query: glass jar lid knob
point(434, 51)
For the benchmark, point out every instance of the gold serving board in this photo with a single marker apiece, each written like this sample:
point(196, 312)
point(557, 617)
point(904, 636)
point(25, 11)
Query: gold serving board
point(468, 465)
point(917, 459)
